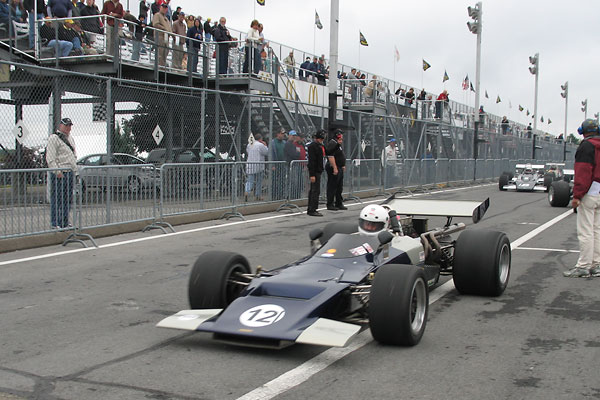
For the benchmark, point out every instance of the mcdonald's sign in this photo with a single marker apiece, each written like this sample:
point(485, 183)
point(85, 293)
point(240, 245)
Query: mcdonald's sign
point(313, 95)
point(290, 89)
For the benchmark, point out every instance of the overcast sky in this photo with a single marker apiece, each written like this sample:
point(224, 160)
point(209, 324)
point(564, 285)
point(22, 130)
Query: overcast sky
point(564, 33)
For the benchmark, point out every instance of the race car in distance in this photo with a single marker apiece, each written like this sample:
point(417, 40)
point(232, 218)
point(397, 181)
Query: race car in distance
point(375, 273)
point(527, 177)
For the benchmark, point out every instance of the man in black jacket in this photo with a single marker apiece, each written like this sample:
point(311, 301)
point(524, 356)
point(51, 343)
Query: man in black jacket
point(221, 34)
point(336, 166)
point(316, 153)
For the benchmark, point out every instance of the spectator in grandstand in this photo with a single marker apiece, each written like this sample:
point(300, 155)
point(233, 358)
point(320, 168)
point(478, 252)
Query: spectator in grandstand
point(62, 46)
point(60, 8)
point(373, 87)
point(76, 9)
point(313, 67)
point(91, 25)
point(352, 84)
point(400, 92)
point(362, 78)
point(304, 71)
point(290, 64)
point(114, 9)
point(138, 36)
point(321, 72)
point(4, 12)
point(410, 97)
point(422, 95)
point(276, 153)
point(30, 6)
point(72, 34)
point(195, 32)
point(175, 15)
point(221, 34)
point(442, 100)
point(180, 29)
point(19, 14)
point(189, 21)
point(144, 8)
point(207, 30)
point(155, 7)
point(504, 125)
point(169, 10)
point(252, 60)
point(60, 153)
point(263, 49)
point(257, 151)
point(160, 21)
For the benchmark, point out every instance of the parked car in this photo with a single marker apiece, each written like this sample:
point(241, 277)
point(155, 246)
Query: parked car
point(130, 173)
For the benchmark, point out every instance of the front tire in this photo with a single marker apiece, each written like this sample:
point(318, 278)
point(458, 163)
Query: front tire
point(548, 179)
point(481, 262)
point(559, 194)
point(134, 185)
point(503, 181)
point(213, 279)
point(399, 304)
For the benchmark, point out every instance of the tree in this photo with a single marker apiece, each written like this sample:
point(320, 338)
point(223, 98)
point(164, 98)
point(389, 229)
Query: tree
point(122, 140)
point(573, 139)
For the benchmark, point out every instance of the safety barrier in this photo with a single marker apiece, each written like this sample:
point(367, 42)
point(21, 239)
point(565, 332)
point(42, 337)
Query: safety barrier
point(117, 194)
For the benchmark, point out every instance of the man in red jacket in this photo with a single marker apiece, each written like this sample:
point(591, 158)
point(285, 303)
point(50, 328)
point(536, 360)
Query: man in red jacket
point(114, 9)
point(586, 199)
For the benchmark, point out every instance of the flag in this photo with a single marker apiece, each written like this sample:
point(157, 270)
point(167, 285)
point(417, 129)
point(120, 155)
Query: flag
point(446, 77)
point(465, 84)
point(99, 112)
point(426, 65)
point(396, 54)
point(318, 21)
point(498, 99)
point(472, 90)
point(527, 112)
point(486, 95)
point(520, 108)
point(549, 122)
point(363, 41)
point(261, 2)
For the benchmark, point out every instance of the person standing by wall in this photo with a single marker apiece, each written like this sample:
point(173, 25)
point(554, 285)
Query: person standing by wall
point(388, 161)
point(316, 154)
point(255, 166)
point(586, 200)
point(276, 150)
point(294, 151)
point(336, 166)
point(60, 153)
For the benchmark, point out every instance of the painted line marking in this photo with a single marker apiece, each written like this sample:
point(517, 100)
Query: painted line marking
point(228, 224)
point(542, 249)
point(303, 372)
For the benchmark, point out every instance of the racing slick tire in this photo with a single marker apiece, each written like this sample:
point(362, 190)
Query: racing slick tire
point(503, 181)
point(398, 305)
point(337, 227)
point(212, 281)
point(548, 179)
point(510, 174)
point(481, 262)
point(559, 194)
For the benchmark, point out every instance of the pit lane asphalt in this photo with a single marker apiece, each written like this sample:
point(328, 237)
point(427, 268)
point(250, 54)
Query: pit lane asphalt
point(80, 325)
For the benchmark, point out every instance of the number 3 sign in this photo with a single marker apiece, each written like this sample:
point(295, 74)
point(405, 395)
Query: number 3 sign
point(263, 315)
point(20, 131)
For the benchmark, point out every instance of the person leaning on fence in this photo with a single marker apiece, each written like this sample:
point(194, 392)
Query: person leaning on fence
point(221, 34)
point(60, 153)
point(290, 64)
point(257, 151)
point(388, 161)
point(316, 154)
point(586, 200)
point(195, 34)
point(304, 71)
point(252, 60)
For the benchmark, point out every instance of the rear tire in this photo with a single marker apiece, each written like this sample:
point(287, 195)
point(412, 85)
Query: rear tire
point(481, 262)
point(399, 304)
point(211, 283)
point(503, 181)
point(559, 194)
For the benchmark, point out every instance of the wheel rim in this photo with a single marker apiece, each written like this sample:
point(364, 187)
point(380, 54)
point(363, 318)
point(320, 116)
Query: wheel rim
point(551, 194)
point(418, 305)
point(134, 185)
point(232, 287)
point(504, 264)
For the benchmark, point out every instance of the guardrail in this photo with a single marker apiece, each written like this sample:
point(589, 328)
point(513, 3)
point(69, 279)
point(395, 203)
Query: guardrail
point(117, 194)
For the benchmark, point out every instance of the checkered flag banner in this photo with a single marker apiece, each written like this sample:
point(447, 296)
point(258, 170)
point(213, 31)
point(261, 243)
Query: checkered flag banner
point(99, 112)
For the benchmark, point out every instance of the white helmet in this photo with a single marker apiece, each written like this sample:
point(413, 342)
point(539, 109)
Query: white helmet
point(372, 220)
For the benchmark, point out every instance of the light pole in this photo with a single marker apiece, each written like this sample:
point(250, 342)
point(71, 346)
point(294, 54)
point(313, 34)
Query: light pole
point(333, 63)
point(535, 70)
point(584, 108)
point(475, 27)
point(565, 95)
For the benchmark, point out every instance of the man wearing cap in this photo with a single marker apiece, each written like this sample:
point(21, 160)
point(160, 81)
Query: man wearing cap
point(160, 21)
point(207, 30)
point(60, 153)
point(388, 161)
point(316, 154)
point(586, 200)
point(336, 166)
point(113, 9)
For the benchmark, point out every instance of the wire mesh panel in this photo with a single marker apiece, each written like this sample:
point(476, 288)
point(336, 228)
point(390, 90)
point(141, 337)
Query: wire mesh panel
point(366, 175)
point(298, 182)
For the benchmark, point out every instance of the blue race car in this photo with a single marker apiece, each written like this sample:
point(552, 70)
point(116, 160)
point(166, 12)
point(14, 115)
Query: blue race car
point(376, 273)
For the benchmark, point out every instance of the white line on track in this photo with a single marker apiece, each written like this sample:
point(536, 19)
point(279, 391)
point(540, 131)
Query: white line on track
point(304, 371)
point(168, 235)
point(542, 249)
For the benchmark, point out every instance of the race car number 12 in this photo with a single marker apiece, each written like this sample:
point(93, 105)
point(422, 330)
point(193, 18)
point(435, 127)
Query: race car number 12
point(262, 315)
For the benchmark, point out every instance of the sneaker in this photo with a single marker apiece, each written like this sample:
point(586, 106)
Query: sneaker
point(577, 272)
point(314, 214)
point(595, 271)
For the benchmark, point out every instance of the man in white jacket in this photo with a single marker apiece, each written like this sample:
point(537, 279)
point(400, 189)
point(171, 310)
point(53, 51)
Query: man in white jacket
point(388, 161)
point(60, 154)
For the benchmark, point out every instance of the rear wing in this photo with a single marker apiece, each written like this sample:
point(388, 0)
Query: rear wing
point(532, 166)
point(568, 171)
point(439, 208)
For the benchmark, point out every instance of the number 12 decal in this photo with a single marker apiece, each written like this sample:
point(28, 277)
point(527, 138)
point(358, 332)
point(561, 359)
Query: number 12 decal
point(262, 315)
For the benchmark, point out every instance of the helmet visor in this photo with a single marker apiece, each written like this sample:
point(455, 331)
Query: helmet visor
point(371, 226)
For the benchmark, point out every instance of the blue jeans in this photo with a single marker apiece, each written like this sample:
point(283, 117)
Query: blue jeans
point(76, 43)
point(32, 27)
point(192, 59)
point(64, 47)
point(61, 196)
point(255, 181)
